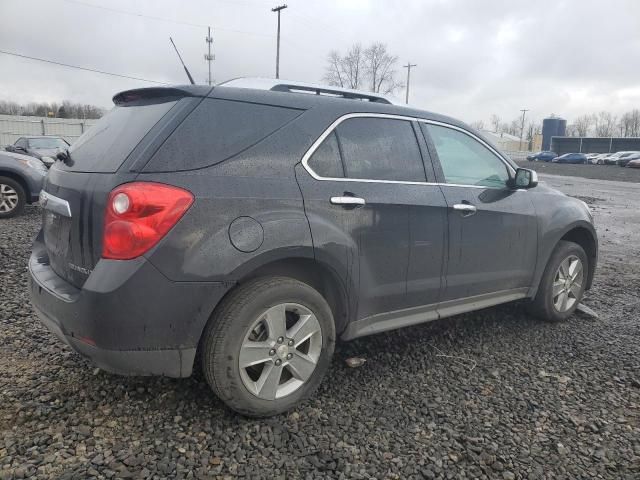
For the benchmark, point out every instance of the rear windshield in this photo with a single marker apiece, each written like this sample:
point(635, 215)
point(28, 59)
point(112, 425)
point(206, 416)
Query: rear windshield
point(107, 144)
point(47, 143)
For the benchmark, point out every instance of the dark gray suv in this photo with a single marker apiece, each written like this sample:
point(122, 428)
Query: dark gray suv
point(249, 228)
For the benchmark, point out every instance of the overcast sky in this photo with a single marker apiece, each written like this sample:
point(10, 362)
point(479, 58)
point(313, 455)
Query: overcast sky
point(474, 58)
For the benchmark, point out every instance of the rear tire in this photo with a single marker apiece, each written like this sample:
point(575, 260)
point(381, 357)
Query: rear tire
point(12, 198)
point(268, 345)
point(563, 283)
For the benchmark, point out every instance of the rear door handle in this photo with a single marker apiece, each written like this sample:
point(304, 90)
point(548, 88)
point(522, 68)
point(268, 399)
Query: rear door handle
point(348, 201)
point(465, 209)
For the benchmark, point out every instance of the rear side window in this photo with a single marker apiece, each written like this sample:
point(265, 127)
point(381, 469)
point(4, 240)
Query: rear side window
point(326, 160)
point(106, 145)
point(380, 149)
point(217, 130)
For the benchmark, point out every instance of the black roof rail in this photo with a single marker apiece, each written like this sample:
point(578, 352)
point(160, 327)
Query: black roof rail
point(293, 88)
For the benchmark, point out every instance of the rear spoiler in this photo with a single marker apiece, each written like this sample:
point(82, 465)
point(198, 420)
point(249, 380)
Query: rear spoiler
point(140, 96)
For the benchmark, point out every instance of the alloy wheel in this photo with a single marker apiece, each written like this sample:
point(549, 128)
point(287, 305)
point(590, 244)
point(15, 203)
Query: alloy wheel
point(281, 351)
point(567, 283)
point(8, 198)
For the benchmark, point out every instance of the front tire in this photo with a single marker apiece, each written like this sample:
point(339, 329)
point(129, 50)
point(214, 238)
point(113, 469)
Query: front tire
point(268, 346)
point(563, 283)
point(12, 198)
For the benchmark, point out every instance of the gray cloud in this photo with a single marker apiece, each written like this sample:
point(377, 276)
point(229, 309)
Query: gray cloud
point(474, 58)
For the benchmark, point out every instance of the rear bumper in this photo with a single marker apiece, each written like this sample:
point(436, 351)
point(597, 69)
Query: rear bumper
point(127, 318)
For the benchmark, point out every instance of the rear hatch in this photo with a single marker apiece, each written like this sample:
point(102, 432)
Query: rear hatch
point(108, 154)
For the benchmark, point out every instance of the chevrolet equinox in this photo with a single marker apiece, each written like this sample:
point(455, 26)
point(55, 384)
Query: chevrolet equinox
point(248, 228)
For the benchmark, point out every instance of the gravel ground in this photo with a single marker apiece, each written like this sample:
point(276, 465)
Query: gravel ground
point(494, 394)
point(596, 172)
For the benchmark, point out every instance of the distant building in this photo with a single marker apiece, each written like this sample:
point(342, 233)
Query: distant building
point(505, 141)
point(552, 127)
point(562, 145)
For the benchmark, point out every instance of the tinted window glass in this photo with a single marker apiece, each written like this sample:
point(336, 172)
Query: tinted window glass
point(21, 143)
point(326, 160)
point(103, 147)
point(466, 161)
point(47, 143)
point(217, 130)
point(380, 149)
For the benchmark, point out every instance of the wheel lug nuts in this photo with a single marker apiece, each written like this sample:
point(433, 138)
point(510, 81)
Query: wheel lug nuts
point(278, 362)
point(290, 343)
point(272, 352)
point(289, 356)
point(280, 339)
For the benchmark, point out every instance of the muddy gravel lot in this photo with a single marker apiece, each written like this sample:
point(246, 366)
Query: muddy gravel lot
point(494, 394)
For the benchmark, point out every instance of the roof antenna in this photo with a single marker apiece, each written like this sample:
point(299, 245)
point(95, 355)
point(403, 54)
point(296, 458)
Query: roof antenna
point(185, 67)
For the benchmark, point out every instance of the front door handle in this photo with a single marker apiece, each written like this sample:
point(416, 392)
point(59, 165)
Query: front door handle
point(348, 201)
point(465, 209)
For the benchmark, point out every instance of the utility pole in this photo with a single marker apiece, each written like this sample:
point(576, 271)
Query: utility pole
point(524, 111)
point(277, 9)
point(207, 56)
point(408, 67)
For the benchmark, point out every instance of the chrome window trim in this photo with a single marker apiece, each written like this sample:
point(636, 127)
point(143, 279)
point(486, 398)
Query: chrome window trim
point(329, 130)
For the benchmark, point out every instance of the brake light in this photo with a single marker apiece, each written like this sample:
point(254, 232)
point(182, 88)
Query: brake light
point(138, 215)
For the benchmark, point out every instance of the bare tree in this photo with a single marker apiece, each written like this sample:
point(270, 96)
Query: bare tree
point(495, 122)
point(604, 124)
point(478, 124)
point(66, 109)
point(632, 123)
point(372, 68)
point(333, 73)
point(531, 130)
point(346, 71)
point(380, 66)
point(582, 125)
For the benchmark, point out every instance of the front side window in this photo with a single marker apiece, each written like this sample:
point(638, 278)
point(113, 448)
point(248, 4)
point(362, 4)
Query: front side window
point(380, 149)
point(466, 161)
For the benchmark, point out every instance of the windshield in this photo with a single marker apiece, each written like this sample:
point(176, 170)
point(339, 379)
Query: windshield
point(47, 143)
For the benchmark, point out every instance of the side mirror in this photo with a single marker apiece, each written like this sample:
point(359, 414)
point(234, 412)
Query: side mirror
point(524, 178)
point(10, 148)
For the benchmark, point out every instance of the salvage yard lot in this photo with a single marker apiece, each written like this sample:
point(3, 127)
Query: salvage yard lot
point(493, 394)
point(595, 172)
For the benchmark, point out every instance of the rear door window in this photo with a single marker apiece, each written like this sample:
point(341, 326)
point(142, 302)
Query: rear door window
point(326, 160)
point(380, 149)
point(106, 145)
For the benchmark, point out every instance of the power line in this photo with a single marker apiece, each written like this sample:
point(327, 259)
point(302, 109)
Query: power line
point(86, 69)
point(162, 19)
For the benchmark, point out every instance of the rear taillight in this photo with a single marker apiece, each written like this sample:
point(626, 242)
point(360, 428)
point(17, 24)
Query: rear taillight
point(138, 215)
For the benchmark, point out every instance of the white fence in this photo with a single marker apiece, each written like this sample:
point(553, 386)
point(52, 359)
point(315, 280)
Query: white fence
point(13, 127)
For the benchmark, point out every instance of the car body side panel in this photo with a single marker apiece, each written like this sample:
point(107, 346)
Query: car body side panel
point(31, 178)
point(557, 215)
point(493, 250)
point(260, 184)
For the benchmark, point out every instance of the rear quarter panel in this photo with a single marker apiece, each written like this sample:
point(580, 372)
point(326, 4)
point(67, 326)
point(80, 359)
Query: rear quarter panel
point(258, 183)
